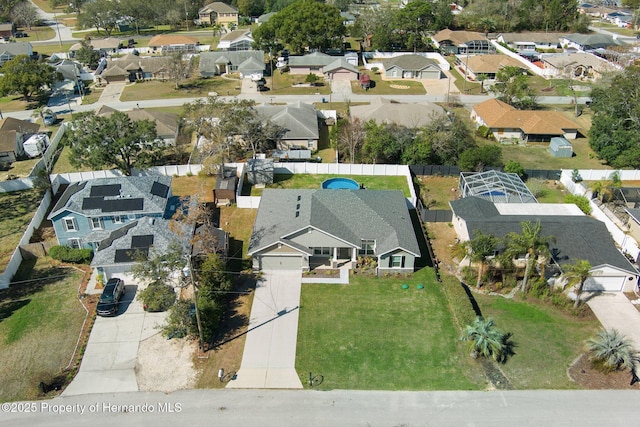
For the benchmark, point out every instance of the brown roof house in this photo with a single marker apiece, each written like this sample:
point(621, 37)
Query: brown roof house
point(105, 47)
point(169, 43)
point(13, 133)
point(166, 123)
point(506, 123)
point(236, 40)
point(489, 65)
point(218, 13)
point(456, 42)
point(581, 65)
point(132, 68)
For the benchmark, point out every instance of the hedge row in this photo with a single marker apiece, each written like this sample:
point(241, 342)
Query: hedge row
point(67, 254)
point(458, 300)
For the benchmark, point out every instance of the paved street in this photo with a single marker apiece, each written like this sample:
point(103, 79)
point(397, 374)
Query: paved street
point(280, 408)
point(269, 356)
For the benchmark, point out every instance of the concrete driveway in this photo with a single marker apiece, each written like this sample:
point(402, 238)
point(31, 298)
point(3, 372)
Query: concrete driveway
point(269, 356)
point(615, 311)
point(108, 364)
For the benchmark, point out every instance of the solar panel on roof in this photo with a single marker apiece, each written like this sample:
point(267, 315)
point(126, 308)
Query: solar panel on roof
point(105, 190)
point(143, 241)
point(123, 205)
point(92, 203)
point(159, 189)
point(130, 255)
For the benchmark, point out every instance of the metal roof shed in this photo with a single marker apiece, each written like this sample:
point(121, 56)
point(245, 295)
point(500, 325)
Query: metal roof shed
point(560, 147)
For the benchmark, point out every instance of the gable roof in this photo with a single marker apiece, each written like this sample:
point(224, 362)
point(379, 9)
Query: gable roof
point(490, 63)
point(533, 37)
point(575, 59)
point(17, 125)
point(312, 59)
point(208, 60)
point(498, 114)
point(218, 7)
point(458, 37)
point(338, 64)
point(118, 195)
point(17, 48)
point(350, 215)
point(166, 123)
point(594, 41)
point(411, 115)
point(577, 237)
point(410, 62)
point(236, 35)
point(300, 120)
point(171, 39)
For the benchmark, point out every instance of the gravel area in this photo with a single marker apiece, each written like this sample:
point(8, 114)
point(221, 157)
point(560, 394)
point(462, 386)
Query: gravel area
point(166, 365)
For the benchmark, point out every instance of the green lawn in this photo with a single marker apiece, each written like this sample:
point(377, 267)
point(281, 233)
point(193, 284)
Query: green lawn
point(282, 84)
point(547, 341)
point(63, 165)
point(372, 334)
point(388, 87)
point(20, 169)
point(16, 210)
point(467, 87)
point(196, 87)
point(39, 325)
point(302, 180)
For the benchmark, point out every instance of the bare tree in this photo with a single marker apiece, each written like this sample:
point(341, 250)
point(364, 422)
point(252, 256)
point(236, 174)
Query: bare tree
point(178, 69)
point(351, 138)
point(25, 14)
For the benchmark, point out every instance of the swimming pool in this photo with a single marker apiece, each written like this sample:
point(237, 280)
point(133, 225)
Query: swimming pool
point(493, 193)
point(340, 184)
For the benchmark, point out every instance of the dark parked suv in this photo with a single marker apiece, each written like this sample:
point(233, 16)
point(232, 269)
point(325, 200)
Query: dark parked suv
point(111, 295)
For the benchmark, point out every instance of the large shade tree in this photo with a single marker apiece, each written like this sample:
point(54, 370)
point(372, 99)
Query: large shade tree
point(104, 142)
point(26, 77)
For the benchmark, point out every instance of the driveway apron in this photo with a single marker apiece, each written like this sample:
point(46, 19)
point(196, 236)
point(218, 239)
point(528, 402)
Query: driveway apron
point(615, 311)
point(269, 356)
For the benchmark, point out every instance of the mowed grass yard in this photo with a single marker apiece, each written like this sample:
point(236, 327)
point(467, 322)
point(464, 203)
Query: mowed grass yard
point(196, 87)
point(312, 181)
point(40, 320)
point(547, 341)
point(372, 334)
point(16, 211)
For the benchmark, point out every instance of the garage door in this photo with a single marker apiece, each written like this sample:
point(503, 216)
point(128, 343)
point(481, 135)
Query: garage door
point(430, 74)
point(281, 263)
point(604, 283)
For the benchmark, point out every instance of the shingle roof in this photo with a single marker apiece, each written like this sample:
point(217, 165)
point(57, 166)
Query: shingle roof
point(318, 59)
point(498, 114)
point(350, 215)
point(490, 63)
point(166, 123)
point(218, 7)
point(300, 120)
point(458, 37)
point(124, 195)
point(235, 35)
point(534, 37)
point(22, 126)
point(576, 237)
point(594, 41)
point(18, 48)
point(412, 115)
point(339, 63)
point(171, 39)
point(410, 62)
point(575, 59)
point(208, 60)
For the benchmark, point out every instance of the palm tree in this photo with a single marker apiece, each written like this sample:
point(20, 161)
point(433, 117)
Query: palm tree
point(613, 349)
point(532, 243)
point(482, 246)
point(578, 272)
point(481, 78)
point(485, 339)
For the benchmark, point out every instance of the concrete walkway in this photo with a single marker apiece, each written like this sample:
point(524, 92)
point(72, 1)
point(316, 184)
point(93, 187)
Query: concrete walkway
point(269, 356)
point(615, 311)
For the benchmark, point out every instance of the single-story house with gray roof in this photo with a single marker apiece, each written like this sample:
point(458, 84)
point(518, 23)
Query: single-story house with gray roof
point(340, 69)
point(299, 229)
point(411, 67)
point(310, 63)
point(299, 120)
point(244, 62)
point(9, 51)
point(577, 236)
point(589, 42)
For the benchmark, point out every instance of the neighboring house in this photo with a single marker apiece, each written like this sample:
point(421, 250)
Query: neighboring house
point(265, 18)
point(310, 63)
point(201, 248)
point(411, 115)
point(576, 236)
point(348, 19)
point(170, 43)
point(89, 211)
point(218, 13)
point(634, 223)
point(590, 42)
point(120, 248)
point(530, 42)
point(131, 68)
point(508, 123)
point(489, 65)
point(236, 40)
point(9, 51)
point(7, 30)
point(105, 47)
point(245, 62)
point(300, 229)
point(13, 134)
point(167, 124)
point(340, 69)
point(411, 67)
point(299, 120)
point(462, 42)
point(579, 65)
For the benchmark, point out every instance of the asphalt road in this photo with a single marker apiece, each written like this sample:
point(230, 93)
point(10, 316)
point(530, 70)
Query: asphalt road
point(332, 408)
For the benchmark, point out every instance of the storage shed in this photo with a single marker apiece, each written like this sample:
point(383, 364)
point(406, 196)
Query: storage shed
point(560, 147)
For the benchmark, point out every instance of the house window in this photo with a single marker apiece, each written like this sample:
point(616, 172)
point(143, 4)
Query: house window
point(96, 223)
point(118, 219)
point(322, 251)
point(367, 247)
point(70, 224)
point(397, 261)
point(310, 143)
point(74, 243)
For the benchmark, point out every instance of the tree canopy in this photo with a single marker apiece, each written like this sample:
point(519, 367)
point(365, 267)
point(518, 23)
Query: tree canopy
point(25, 76)
point(615, 129)
point(104, 142)
point(512, 87)
point(303, 24)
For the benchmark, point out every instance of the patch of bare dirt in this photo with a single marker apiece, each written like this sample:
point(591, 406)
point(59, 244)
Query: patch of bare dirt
point(166, 365)
point(591, 378)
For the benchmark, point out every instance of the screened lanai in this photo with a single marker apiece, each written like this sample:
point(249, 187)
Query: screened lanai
point(496, 186)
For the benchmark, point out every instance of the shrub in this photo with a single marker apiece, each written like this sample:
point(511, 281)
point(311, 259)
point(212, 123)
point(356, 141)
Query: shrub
point(458, 300)
point(67, 254)
point(514, 167)
point(180, 321)
point(538, 187)
point(484, 132)
point(157, 297)
point(580, 201)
